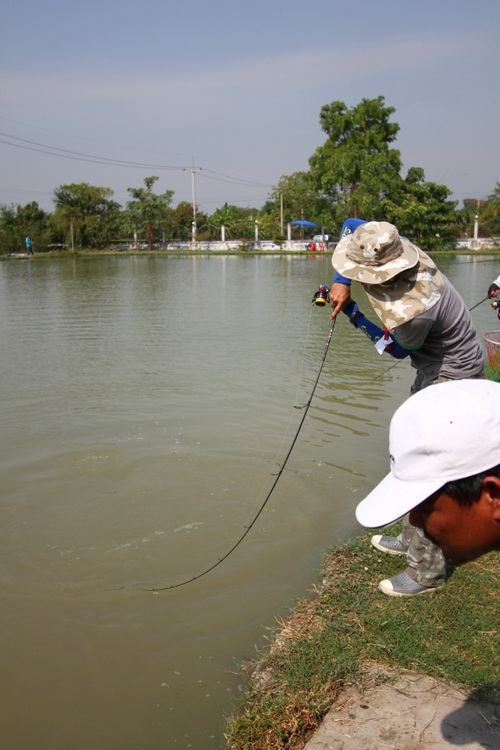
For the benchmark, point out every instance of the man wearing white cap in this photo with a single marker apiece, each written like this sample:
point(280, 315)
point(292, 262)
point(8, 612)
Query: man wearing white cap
point(494, 288)
point(424, 318)
point(444, 447)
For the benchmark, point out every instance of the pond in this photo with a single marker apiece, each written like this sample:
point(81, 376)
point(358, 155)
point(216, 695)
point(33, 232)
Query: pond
point(148, 403)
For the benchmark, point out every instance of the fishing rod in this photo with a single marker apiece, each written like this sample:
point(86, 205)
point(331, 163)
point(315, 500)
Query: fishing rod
point(305, 408)
point(478, 303)
point(320, 299)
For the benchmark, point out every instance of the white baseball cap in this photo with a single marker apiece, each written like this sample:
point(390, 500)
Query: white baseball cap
point(445, 432)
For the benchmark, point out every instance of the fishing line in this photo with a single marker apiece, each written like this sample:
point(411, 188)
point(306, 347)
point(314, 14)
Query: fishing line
point(277, 477)
point(282, 465)
point(299, 381)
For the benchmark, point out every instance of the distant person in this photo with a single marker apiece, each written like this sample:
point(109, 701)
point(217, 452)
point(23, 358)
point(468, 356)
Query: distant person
point(424, 318)
point(494, 289)
point(29, 249)
point(444, 450)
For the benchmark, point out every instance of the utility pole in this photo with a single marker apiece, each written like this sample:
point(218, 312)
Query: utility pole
point(193, 170)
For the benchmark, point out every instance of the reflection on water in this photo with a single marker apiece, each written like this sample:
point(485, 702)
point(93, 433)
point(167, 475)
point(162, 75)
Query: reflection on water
point(146, 403)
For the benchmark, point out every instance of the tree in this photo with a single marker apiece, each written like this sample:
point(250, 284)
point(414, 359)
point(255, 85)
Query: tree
point(355, 169)
point(239, 222)
point(86, 214)
point(180, 221)
point(490, 213)
point(421, 211)
point(148, 212)
point(228, 217)
point(301, 199)
point(17, 222)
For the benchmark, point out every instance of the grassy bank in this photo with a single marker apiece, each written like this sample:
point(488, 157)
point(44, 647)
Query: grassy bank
point(94, 252)
point(450, 634)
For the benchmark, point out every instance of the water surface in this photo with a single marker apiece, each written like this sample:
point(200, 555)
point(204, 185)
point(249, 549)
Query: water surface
point(146, 403)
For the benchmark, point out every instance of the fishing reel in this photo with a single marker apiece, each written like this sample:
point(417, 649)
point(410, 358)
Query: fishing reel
point(496, 306)
point(322, 296)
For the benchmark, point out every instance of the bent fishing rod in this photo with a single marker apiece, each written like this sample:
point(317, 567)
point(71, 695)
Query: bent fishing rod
point(320, 299)
point(305, 409)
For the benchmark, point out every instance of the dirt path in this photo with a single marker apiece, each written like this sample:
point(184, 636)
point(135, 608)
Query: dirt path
point(407, 711)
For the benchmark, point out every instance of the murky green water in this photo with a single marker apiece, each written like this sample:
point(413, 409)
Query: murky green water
point(145, 403)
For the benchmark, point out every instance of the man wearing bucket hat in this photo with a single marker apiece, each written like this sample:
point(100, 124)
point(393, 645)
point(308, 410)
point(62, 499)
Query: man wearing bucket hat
point(423, 318)
point(445, 469)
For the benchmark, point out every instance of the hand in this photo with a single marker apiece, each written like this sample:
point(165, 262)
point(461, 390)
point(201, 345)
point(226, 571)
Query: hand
point(340, 295)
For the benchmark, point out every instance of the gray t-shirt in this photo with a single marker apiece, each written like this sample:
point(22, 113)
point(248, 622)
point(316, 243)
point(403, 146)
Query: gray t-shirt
point(443, 340)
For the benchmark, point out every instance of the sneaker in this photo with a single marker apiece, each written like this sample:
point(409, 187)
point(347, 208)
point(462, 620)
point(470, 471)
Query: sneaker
point(390, 544)
point(403, 585)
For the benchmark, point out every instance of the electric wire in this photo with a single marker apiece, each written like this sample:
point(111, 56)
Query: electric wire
point(278, 475)
point(79, 156)
point(44, 148)
point(232, 180)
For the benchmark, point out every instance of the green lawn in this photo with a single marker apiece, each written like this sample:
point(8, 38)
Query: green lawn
point(451, 634)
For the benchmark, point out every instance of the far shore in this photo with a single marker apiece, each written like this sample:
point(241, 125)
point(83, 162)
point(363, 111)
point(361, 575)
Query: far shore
point(115, 252)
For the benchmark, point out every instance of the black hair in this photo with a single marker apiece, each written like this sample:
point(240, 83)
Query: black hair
point(468, 490)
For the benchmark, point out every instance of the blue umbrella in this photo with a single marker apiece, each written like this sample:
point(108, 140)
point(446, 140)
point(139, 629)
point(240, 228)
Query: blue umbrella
point(303, 224)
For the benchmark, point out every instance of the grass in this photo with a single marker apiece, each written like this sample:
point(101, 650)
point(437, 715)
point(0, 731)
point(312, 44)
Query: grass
point(451, 635)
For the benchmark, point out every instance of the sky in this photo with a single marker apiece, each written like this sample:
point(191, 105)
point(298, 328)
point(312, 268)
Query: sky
point(221, 98)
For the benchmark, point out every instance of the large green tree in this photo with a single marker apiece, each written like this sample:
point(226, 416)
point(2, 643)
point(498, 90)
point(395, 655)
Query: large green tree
point(421, 211)
point(86, 214)
point(147, 212)
point(355, 169)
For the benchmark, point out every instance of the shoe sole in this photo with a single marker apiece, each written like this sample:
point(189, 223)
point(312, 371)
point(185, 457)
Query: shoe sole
point(387, 550)
point(390, 592)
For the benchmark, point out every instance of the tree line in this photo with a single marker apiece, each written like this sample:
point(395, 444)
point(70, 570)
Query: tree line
point(356, 172)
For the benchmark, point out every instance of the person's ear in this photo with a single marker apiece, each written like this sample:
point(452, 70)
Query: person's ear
point(491, 490)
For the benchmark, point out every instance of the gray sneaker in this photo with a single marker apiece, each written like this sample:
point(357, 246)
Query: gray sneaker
point(390, 544)
point(403, 585)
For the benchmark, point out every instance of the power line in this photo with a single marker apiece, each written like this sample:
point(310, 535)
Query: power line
point(233, 180)
point(67, 154)
point(44, 148)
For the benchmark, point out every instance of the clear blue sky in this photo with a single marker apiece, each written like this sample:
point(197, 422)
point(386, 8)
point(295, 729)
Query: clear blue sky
point(235, 88)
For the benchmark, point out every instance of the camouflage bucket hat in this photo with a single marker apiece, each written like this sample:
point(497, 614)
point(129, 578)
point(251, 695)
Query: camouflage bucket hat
point(374, 253)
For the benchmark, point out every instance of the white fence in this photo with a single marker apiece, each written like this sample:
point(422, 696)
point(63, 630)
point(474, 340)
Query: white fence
point(300, 246)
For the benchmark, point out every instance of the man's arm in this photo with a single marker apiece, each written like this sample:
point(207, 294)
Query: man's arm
point(373, 331)
point(340, 294)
